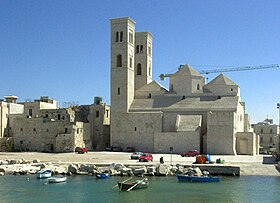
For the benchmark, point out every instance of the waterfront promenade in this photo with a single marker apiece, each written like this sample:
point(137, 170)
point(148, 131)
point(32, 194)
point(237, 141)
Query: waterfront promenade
point(249, 165)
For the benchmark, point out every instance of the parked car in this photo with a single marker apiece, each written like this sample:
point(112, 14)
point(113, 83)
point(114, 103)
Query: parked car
point(190, 153)
point(114, 149)
point(130, 149)
point(146, 157)
point(81, 150)
point(136, 155)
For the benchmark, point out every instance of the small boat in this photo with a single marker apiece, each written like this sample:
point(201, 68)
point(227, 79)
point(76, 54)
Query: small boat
point(138, 184)
point(102, 175)
point(57, 179)
point(45, 173)
point(188, 178)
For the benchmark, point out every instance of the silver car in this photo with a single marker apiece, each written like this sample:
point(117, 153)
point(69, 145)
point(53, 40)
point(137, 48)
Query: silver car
point(136, 155)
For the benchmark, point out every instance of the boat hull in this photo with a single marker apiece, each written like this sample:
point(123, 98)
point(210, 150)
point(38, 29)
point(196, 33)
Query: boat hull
point(44, 174)
point(102, 175)
point(125, 186)
point(187, 178)
point(57, 179)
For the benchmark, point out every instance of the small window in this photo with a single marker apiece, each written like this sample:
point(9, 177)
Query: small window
point(150, 95)
point(137, 49)
point(77, 130)
point(198, 87)
point(141, 49)
point(119, 60)
point(97, 114)
point(139, 69)
point(63, 117)
point(117, 36)
point(21, 129)
point(47, 115)
point(184, 97)
point(130, 37)
point(66, 130)
point(47, 130)
point(30, 112)
point(271, 131)
point(130, 62)
point(21, 142)
point(231, 89)
point(58, 116)
point(150, 70)
point(119, 91)
point(135, 129)
point(34, 129)
point(261, 130)
point(121, 37)
point(107, 113)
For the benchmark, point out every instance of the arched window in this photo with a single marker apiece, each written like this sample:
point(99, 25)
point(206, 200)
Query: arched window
point(137, 49)
point(121, 37)
point(119, 60)
point(139, 69)
point(198, 87)
point(117, 36)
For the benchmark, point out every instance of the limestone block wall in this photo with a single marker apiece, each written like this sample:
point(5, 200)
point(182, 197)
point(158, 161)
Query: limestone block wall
point(246, 143)
point(3, 119)
point(135, 130)
point(6, 144)
point(220, 133)
point(180, 141)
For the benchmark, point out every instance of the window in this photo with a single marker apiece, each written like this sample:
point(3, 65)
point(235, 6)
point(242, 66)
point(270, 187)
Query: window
point(130, 62)
point(197, 87)
point(97, 114)
point(30, 112)
point(47, 115)
point(271, 131)
point(261, 130)
point(107, 113)
point(270, 140)
point(21, 129)
point(34, 129)
point(149, 50)
point(130, 37)
point(121, 37)
point(119, 91)
point(137, 49)
point(135, 129)
point(21, 142)
point(139, 69)
point(184, 97)
point(66, 130)
point(141, 49)
point(117, 36)
point(150, 95)
point(58, 116)
point(119, 60)
point(231, 89)
point(77, 130)
point(47, 130)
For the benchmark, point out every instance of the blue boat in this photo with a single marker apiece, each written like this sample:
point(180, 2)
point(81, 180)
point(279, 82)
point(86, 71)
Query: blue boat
point(187, 178)
point(44, 173)
point(102, 175)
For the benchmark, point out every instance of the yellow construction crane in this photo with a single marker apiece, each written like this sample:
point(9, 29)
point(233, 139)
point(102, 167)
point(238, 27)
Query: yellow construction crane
point(221, 70)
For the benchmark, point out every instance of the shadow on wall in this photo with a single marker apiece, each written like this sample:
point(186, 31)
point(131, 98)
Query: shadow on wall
point(269, 160)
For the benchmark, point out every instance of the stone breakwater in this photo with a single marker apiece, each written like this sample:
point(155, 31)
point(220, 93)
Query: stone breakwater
point(24, 167)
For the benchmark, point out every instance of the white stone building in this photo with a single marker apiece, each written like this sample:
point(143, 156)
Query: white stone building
point(190, 115)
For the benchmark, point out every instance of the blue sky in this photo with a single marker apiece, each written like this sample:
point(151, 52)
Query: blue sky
point(62, 48)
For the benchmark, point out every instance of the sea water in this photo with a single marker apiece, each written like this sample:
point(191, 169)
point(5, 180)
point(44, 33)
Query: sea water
point(162, 189)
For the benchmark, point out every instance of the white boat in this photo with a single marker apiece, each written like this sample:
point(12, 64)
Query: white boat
point(57, 179)
point(44, 173)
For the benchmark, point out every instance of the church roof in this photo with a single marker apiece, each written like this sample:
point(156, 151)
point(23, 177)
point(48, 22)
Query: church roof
point(222, 80)
point(187, 69)
point(152, 86)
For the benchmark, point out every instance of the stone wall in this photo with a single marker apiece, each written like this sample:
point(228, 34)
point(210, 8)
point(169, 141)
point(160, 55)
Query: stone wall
point(246, 143)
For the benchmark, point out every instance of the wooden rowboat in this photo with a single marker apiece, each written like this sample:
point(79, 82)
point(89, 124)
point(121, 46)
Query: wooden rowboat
point(138, 184)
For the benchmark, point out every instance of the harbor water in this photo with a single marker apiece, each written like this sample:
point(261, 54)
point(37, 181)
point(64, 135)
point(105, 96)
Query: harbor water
point(162, 189)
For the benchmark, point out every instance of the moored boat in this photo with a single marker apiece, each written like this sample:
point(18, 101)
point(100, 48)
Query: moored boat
point(102, 175)
point(44, 173)
point(57, 179)
point(188, 178)
point(138, 184)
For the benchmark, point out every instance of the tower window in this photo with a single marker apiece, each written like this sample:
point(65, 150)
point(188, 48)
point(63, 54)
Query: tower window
point(231, 89)
point(107, 113)
point(270, 131)
point(97, 114)
point(137, 49)
point(141, 49)
point(119, 60)
point(30, 112)
point(117, 36)
point(198, 87)
point(66, 130)
point(119, 91)
point(130, 37)
point(150, 70)
point(150, 95)
point(121, 37)
point(261, 130)
point(139, 69)
point(130, 62)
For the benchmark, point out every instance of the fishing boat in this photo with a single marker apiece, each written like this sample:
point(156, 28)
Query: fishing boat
point(44, 173)
point(138, 184)
point(188, 178)
point(102, 175)
point(57, 179)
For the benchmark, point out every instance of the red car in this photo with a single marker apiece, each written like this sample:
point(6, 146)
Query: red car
point(83, 150)
point(146, 157)
point(190, 153)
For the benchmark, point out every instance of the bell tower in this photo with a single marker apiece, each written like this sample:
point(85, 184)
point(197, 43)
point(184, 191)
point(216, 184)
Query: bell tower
point(122, 64)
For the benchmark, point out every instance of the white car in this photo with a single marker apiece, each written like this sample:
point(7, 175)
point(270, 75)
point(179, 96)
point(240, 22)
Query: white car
point(136, 155)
